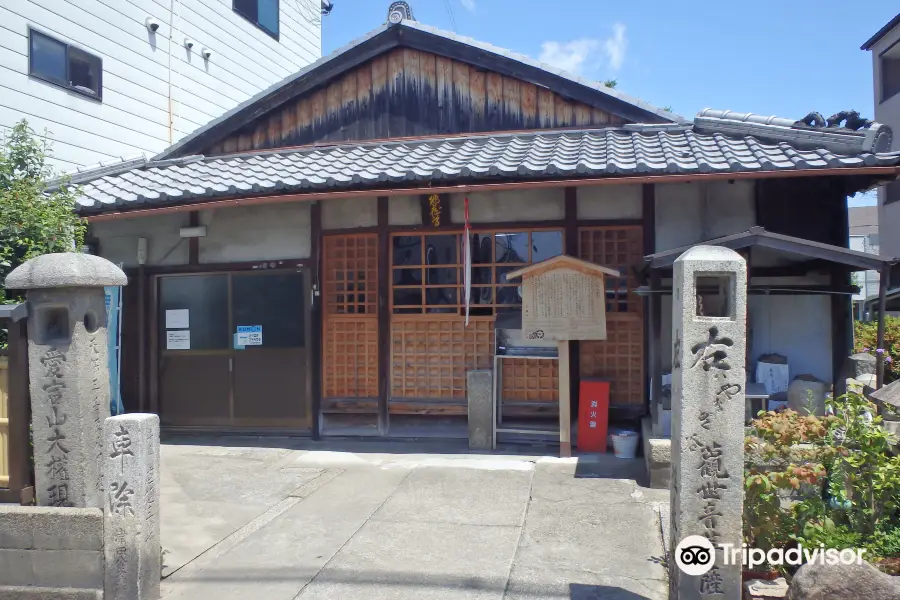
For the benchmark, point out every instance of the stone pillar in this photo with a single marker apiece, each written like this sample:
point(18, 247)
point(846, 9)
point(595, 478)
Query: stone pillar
point(479, 388)
point(68, 372)
point(708, 380)
point(131, 514)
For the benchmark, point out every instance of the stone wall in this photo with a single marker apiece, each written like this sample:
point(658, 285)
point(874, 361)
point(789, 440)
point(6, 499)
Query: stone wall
point(48, 552)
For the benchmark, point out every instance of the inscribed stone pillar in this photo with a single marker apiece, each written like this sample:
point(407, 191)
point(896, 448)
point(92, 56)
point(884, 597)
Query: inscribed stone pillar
point(131, 514)
point(708, 382)
point(68, 371)
point(480, 400)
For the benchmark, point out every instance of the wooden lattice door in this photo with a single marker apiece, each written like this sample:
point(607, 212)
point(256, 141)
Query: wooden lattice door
point(350, 323)
point(619, 358)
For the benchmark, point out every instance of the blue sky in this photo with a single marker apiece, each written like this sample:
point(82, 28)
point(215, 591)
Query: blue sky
point(772, 58)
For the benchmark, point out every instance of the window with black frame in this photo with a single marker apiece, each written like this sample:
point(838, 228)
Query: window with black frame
point(429, 270)
point(262, 13)
point(64, 65)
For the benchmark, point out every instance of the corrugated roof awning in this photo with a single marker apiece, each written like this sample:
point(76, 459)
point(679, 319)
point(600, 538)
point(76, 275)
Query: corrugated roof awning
point(759, 237)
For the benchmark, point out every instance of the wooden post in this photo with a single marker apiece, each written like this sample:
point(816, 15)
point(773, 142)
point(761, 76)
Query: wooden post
point(384, 315)
point(142, 337)
point(652, 307)
point(194, 242)
point(571, 246)
point(882, 308)
point(655, 345)
point(315, 315)
point(565, 402)
point(21, 487)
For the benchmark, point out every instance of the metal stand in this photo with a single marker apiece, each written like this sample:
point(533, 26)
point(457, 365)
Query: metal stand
point(497, 416)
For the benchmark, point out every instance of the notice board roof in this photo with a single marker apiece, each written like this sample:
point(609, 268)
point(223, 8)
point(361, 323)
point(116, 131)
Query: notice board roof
point(563, 262)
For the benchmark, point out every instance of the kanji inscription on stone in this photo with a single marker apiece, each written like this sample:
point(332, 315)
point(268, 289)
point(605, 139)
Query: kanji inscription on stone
point(708, 382)
point(130, 475)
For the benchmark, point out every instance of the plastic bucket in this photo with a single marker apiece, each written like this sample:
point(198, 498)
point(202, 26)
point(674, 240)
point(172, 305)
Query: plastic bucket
point(625, 444)
point(613, 431)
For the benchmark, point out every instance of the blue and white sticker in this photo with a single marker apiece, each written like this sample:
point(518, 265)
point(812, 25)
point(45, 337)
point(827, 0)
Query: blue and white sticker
point(249, 335)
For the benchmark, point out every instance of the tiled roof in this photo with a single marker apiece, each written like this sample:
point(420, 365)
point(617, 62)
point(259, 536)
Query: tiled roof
point(621, 151)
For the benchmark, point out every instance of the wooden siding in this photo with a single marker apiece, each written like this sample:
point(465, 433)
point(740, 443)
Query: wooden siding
point(620, 357)
point(4, 422)
point(408, 93)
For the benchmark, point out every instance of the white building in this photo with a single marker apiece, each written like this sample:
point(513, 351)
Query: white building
point(864, 238)
point(113, 78)
point(885, 48)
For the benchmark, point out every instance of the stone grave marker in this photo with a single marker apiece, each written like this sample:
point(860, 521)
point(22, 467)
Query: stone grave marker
point(68, 372)
point(708, 380)
point(131, 527)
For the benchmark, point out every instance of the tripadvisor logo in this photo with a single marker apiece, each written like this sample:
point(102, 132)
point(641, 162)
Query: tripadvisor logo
point(695, 555)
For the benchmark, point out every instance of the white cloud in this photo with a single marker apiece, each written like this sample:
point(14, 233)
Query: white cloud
point(614, 47)
point(569, 56)
point(587, 53)
point(468, 5)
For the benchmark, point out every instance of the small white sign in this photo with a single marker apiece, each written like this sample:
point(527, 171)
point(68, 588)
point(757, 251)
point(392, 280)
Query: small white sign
point(249, 335)
point(178, 319)
point(178, 340)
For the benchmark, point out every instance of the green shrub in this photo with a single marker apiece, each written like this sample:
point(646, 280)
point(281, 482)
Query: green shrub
point(886, 542)
point(865, 340)
point(842, 469)
point(32, 222)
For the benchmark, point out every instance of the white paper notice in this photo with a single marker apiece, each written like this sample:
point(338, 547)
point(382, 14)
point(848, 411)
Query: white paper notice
point(775, 377)
point(178, 340)
point(178, 319)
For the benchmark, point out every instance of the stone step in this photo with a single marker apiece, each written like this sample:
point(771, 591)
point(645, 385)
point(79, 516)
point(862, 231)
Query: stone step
point(23, 592)
point(657, 456)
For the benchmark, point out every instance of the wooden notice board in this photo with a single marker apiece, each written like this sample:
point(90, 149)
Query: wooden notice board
point(563, 299)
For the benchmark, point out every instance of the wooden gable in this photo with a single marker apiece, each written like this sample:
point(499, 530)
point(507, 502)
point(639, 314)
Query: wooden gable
point(407, 92)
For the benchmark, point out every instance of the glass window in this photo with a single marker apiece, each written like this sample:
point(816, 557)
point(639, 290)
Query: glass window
point(546, 244)
point(442, 276)
point(408, 297)
point(84, 72)
point(436, 286)
point(64, 65)
point(511, 247)
point(408, 276)
point(407, 250)
point(263, 13)
point(440, 249)
point(206, 299)
point(48, 58)
point(481, 249)
point(274, 301)
point(890, 72)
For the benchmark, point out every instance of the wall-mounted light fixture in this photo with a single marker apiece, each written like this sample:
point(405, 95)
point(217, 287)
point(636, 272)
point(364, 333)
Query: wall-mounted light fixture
point(193, 232)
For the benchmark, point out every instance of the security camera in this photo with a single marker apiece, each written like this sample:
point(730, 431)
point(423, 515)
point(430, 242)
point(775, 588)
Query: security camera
point(152, 24)
point(205, 53)
point(189, 43)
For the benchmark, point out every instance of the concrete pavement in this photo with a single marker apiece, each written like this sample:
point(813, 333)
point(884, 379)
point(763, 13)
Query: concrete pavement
point(298, 521)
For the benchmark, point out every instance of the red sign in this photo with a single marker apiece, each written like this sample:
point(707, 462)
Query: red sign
point(593, 415)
